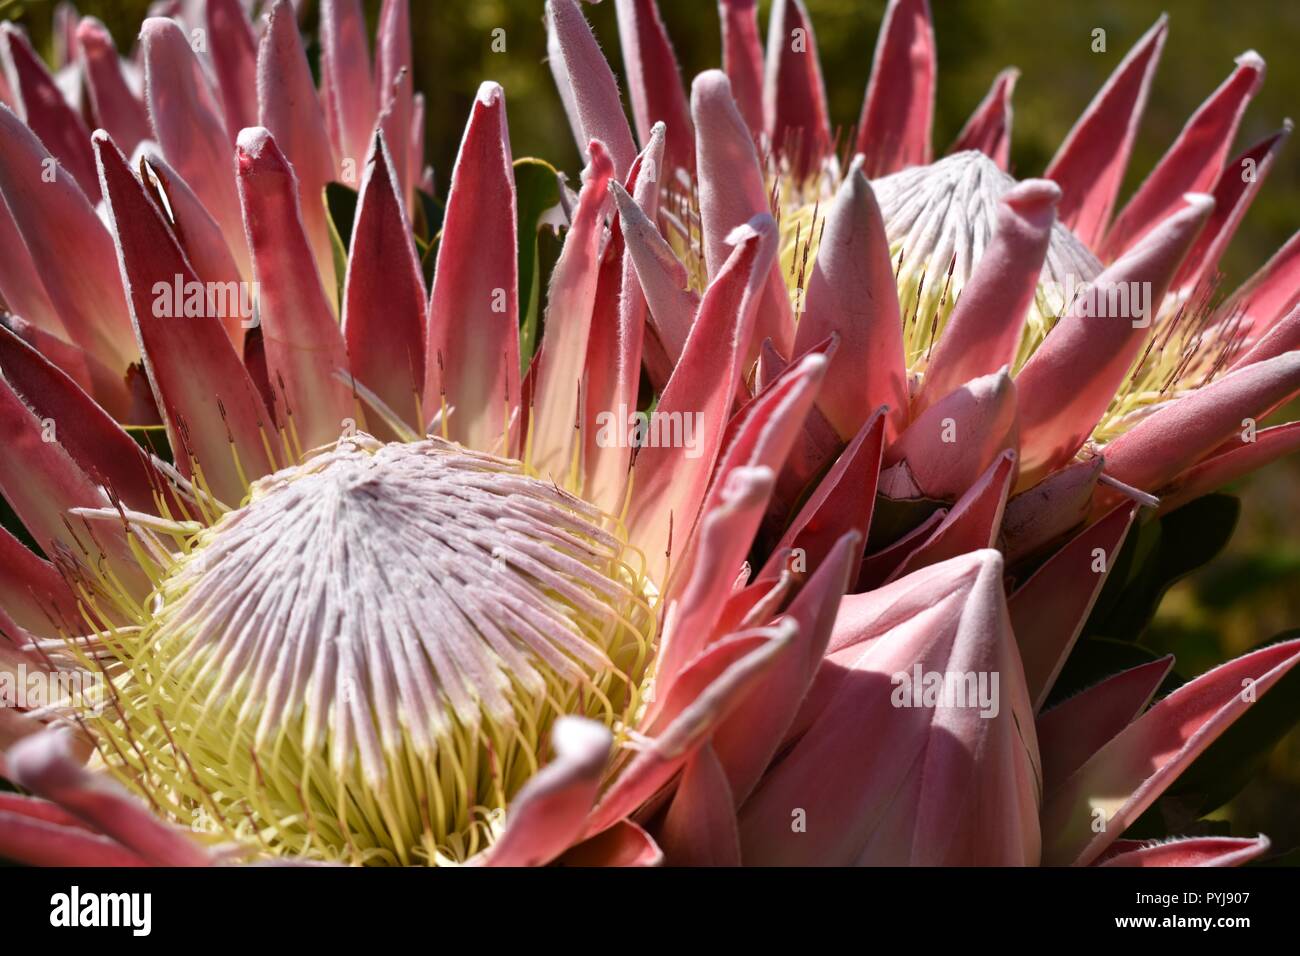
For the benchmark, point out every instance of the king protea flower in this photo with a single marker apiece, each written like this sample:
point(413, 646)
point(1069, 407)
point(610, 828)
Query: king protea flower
point(395, 600)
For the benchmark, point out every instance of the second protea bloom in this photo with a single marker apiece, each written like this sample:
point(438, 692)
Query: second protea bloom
point(987, 314)
point(377, 586)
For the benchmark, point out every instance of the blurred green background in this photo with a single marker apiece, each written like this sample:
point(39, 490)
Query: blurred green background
point(1252, 591)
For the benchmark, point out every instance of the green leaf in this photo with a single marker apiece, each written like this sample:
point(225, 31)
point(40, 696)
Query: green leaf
point(894, 517)
point(1237, 578)
point(1160, 552)
point(430, 213)
point(1126, 570)
point(153, 439)
point(341, 210)
point(537, 189)
point(10, 522)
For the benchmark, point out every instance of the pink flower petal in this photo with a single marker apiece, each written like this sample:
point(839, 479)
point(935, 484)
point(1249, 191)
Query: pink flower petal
point(753, 605)
point(304, 346)
point(472, 360)
point(1236, 188)
point(125, 397)
point(1089, 166)
point(193, 139)
point(898, 109)
point(75, 261)
point(700, 826)
point(989, 127)
point(1269, 295)
point(201, 239)
point(770, 365)
point(973, 521)
point(681, 731)
point(393, 46)
point(554, 416)
point(664, 282)
point(878, 783)
point(742, 59)
point(950, 444)
point(383, 296)
point(20, 284)
point(863, 618)
point(1195, 851)
point(1068, 383)
point(547, 815)
point(212, 410)
point(750, 737)
point(43, 765)
point(106, 453)
point(813, 448)
point(654, 81)
point(985, 327)
point(591, 92)
point(842, 501)
point(58, 126)
point(234, 60)
point(1230, 463)
point(732, 192)
point(672, 699)
point(852, 292)
point(38, 809)
point(113, 104)
point(395, 87)
point(796, 119)
point(1181, 433)
point(623, 844)
point(1193, 162)
point(670, 483)
point(1077, 728)
point(879, 567)
point(725, 536)
point(613, 364)
point(767, 432)
point(346, 78)
point(29, 838)
point(290, 109)
point(1049, 610)
point(1039, 516)
point(1126, 776)
point(1281, 338)
point(41, 482)
point(34, 593)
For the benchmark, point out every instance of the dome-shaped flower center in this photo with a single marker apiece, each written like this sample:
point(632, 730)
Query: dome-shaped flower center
point(363, 661)
point(939, 219)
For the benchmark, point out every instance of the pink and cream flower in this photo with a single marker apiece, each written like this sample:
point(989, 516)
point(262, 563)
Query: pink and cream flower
point(393, 599)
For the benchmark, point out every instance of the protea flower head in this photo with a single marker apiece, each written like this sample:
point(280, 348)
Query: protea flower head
point(988, 314)
point(391, 594)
